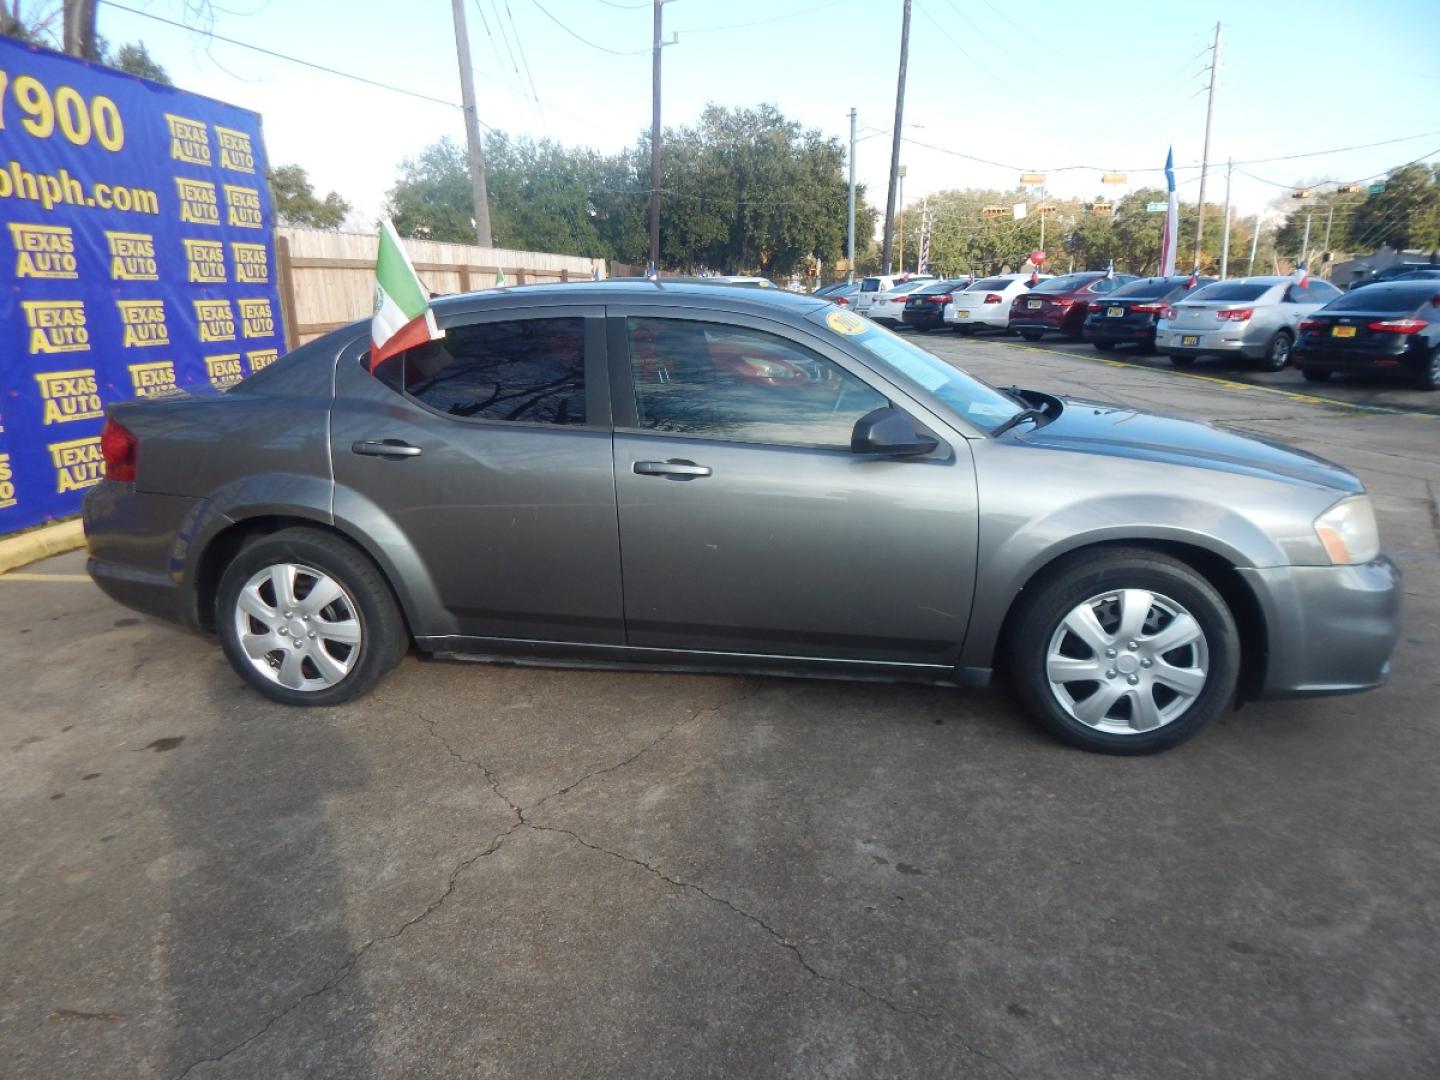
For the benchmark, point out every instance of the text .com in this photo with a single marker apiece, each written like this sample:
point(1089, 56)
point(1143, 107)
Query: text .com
point(60, 188)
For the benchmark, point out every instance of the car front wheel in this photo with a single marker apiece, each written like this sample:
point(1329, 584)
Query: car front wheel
point(1429, 376)
point(306, 619)
point(1124, 651)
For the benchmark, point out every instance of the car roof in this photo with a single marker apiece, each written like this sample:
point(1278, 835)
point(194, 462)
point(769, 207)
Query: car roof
point(660, 290)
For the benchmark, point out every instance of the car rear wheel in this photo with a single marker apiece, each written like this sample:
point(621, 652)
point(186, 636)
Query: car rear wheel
point(1182, 361)
point(1104, 346)
point(1032, 335)
point(306, 619)
point(1124, 651)
point(1277, 354)
point(1316, 374)
point(1429, 377)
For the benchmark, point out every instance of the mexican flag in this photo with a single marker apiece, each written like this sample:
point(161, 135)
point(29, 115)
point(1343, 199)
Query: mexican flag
point(402, 318)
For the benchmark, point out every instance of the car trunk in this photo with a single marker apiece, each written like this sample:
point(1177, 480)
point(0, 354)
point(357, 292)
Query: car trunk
point(1360, 333)
point(1199, 315)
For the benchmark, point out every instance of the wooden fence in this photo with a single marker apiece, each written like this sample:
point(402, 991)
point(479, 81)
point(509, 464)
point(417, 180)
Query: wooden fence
point(327, 279)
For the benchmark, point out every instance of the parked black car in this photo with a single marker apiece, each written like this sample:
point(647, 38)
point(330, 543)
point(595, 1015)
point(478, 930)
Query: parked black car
point(1128, 315)
point(925, 307)
point(1396, 272)
point(1391, 328)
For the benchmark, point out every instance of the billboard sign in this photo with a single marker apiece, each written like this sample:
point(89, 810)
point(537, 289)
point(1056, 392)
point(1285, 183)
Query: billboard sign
point(136, 241)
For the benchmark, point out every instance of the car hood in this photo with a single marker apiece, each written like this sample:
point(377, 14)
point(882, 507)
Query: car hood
point(1095, 427)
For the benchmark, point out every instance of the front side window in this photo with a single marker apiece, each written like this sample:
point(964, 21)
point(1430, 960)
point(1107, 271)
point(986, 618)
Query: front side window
point(717, 381)
point(521, 370)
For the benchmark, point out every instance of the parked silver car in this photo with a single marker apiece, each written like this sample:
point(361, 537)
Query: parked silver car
point(1257, 318)
point(649, 474)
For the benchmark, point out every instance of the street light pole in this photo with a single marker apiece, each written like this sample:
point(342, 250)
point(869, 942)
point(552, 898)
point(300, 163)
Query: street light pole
point(850, 229)
point(1205, 155)
point(1254, 246)
point(472, 127)
point(1225, 237)
point(655, 146)
point(900, 211)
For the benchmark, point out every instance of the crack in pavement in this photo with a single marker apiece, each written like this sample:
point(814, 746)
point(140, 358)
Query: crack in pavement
point(522, 821)
point(344, 971)
point(783, 941)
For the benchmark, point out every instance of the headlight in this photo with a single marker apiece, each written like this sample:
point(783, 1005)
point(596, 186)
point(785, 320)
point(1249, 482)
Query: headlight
point(1348, 531)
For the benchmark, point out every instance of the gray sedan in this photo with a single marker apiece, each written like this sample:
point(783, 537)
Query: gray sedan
point(1256, 318)
point(651, 475)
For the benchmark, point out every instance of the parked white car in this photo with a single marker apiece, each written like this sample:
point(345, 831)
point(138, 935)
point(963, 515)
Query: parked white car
point(871, 287)
point(987, 302)
point(886, 308)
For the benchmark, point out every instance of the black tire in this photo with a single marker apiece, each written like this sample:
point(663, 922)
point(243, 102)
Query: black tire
point(1032, 335)
point(965, 331)
point(1104, 346)
point(1428, 377)
point(1181, 361)
point(383, 635)
point(1089, 574)
point(1277, 353)
point(1313, 374)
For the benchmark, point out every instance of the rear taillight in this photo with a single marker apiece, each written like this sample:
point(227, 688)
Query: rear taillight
point(1097, 305)
point(1311, 324)
point(940, 298)
point(1397, 326)
point(842, 301)
point(119, 448)
point(1148, 309)
point(1235, 314)
point(993, 298)
point(1169, 313)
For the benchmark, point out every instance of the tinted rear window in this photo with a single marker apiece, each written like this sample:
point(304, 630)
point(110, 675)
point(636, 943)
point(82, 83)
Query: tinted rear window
point(992, 283)
point(1065, 282)
point(936, 287)
point(1146, 289)
point(1386, 298)
point(1223, 291)
point(870, 284)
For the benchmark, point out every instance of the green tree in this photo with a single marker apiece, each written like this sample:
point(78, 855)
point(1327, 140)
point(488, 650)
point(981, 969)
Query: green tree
point(1405, 215)
point(296, 203)
point(432, 200)
point(135, 59)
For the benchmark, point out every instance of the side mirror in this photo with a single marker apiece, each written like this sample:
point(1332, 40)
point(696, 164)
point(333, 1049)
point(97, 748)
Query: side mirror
point(888, 432)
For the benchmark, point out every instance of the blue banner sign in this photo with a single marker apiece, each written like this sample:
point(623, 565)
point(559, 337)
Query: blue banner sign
point(136, 257)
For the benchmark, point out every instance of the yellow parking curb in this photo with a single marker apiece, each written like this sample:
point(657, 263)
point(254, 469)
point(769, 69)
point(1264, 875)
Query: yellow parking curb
point(41, 543)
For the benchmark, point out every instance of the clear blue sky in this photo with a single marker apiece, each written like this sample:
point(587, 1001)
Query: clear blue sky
point(1124, 79)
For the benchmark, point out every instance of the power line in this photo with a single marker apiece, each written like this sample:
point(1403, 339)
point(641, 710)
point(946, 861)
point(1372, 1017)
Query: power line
point(524, 60)
point(282, 56)
point(976, 27)
point(761, 22)
point(624, 7)
point(583, 40)
point(959, 48)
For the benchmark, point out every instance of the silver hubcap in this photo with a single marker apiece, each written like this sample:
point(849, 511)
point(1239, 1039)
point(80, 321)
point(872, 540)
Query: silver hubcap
point(1280, 351)
point(1128, 661)
point(298, 626)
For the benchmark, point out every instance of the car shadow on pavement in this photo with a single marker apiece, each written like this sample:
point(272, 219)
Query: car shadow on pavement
point(257, 913)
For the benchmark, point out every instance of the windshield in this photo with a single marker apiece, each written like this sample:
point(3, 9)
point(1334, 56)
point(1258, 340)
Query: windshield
point(1064, 283)
point(1226, 291)
point(979, 403)
point(870, 284)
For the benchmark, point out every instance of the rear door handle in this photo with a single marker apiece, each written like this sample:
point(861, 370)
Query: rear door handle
point(674, 469)
point(392, 448)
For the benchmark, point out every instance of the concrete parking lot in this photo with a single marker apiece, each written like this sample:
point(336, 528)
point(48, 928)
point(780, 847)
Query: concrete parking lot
point(497, 871)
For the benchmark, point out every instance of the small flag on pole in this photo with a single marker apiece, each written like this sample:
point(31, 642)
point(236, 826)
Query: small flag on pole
point(650, 271)
point(1110, 270)
point(500, 277)
point(1194, 279)
point(1034, 277)
point(1172, 219)
point(1302, 276)
point(594, 273)
point(402, 317)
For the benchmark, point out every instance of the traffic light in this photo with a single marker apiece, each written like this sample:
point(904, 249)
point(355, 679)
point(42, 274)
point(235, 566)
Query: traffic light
point(1347, 189)
point(1301, 194)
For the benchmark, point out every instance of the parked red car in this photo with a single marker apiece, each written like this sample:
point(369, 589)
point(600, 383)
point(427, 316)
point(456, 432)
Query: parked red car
point(1059, 306)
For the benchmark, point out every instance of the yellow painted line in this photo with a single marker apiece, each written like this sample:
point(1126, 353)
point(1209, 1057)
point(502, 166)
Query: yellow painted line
point(45, 577)
point(1229, 384)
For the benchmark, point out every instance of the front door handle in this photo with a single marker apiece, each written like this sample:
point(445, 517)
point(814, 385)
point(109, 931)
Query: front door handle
point(391, 448)
point(674, 469)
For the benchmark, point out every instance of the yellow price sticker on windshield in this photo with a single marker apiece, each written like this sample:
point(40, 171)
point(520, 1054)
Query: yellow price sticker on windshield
point(846, 322)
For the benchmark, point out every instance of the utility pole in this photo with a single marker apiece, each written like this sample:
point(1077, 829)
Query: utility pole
point(895, 143)
point(850, 230)
point(900, 213)
point(1205, 155)
point(655, 144)
point(472, 127)
point(1254, 246)
point(1305, 244)
point(1225, 237)
point(1329, 220)
point(79, 28)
